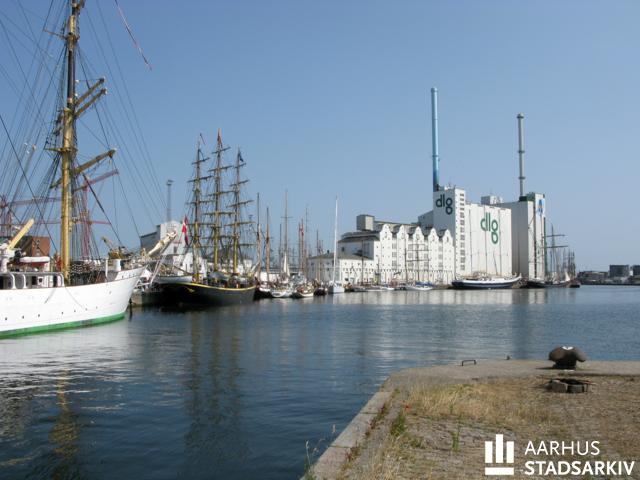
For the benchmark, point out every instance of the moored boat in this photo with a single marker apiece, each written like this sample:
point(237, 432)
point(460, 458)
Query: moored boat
point(320, 291)
point(209, 295)
point(303, 291)
point(74, 287)
point(226, 280)
point(282, 291)
point(485, 283)
point(419, 287)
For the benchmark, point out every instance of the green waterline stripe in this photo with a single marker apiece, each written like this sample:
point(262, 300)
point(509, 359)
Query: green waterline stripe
point(61, 326)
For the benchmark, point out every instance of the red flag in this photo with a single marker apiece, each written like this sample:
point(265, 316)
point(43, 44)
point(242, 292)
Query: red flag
point(184, 231)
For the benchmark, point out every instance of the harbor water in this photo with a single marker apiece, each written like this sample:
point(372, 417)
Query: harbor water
point(246, 392)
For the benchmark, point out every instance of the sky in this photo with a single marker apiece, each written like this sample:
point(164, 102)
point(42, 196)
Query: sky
point(332, 98)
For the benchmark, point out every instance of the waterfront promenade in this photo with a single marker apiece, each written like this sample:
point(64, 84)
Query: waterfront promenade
point(433, 422)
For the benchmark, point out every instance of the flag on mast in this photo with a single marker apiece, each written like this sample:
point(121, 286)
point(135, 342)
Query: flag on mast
point(184, 231)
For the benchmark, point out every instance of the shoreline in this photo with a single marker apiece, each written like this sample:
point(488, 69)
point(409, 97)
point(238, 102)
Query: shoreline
point(365, 436)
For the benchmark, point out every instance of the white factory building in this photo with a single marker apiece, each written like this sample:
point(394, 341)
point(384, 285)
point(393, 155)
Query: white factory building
point(491, 237)
point(528, 221)
point(387, 252)
point(349, 268)
point(481, 233)
point(457, 238)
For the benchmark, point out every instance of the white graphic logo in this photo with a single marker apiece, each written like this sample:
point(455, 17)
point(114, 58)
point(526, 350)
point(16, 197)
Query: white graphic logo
point(499, 457)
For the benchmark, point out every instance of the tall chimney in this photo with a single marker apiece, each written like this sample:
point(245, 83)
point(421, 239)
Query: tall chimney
point(434, 139)
point(169, 183)
point(520, 118)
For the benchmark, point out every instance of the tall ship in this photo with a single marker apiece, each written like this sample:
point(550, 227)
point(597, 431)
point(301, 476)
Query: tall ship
point(218, 233)
point(559, 262)
point(74, 286)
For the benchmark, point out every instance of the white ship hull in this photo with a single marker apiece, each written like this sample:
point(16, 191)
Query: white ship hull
point(30, 310)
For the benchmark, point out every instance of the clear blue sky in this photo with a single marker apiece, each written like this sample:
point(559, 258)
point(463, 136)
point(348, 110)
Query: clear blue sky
point(331, 98)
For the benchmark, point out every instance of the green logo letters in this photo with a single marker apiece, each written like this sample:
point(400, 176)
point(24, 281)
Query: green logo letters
point(492, 226)
point(447, 203)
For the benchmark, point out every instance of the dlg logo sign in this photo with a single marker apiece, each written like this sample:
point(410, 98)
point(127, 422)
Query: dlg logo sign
point(501, 447)
point(447, 203)
point(492, 226)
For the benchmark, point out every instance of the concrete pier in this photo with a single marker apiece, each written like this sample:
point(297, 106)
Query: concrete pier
point(360, 431)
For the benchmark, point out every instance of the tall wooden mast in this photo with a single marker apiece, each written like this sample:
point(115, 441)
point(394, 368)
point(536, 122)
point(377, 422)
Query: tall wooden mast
point(197, 213)
point(68, 150)
point(258, 239)
point(217, 204)
point(74, 108)
point(237, 205)
point(267, 246)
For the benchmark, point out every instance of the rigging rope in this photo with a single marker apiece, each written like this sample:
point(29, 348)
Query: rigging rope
point(135, 42)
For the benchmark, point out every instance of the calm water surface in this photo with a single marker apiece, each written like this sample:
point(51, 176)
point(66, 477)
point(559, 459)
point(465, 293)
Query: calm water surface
point(237, 392)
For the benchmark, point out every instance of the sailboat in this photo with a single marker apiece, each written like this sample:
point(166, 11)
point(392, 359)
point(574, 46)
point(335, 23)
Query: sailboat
point(334, 286)
point(226, 283)
point(263, 288)
point(41, 293)
point(284, 289)
point(558, 275)
point(482, 282)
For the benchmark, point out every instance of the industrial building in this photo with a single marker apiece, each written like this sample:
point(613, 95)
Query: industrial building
point(457, 238)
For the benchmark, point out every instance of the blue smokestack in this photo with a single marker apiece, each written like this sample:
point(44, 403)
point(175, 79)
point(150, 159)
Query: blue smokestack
point(434, 139)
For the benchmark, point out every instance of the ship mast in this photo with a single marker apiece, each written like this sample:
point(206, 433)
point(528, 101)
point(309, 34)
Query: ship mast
point(258, 239)
point(197, 201)
point(217, 192)
point(68, 149)
point(267, 245)
point(238, 203)
point(73, 109)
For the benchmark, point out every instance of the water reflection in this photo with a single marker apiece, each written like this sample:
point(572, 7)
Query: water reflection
point(446, 297)
point(236, 392)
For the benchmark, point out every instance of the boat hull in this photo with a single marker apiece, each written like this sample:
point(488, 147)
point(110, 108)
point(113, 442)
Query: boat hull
point(543, 284)
point(418, 288)
point(33, 310)
point(262, 292)
point(277, 293)
point(485, 285)
point(206, 295)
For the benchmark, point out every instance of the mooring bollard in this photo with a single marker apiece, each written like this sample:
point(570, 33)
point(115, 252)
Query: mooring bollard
point(566, 357)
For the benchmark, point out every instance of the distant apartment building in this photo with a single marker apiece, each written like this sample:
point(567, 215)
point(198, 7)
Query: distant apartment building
point(592, 276)
point(619, 271)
